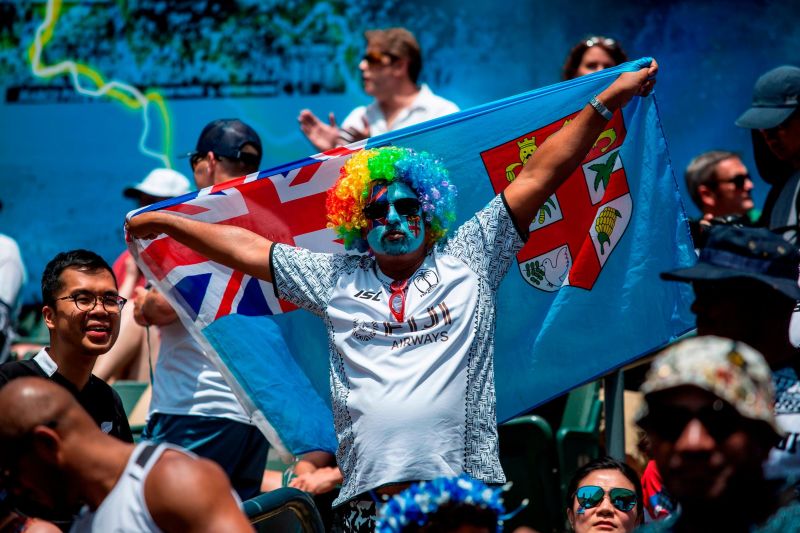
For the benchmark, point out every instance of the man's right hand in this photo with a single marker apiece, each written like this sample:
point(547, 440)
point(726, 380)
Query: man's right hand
point(322, 136)
point(150, 308)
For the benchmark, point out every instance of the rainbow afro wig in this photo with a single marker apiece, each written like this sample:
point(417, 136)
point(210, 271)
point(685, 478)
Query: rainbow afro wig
point(419, 170)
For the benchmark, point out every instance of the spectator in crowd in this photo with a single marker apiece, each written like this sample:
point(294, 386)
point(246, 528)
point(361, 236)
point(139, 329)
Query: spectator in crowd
point(12, 278)
point(191, 403)
point(52, 453)
point(708, 415)
point(604, 495)
point(443, 505)
point(133, 353)
point(82, 311)
point(593, 54)
point(745, 285)
point(389, 71)
point(719, 185)
point(775, 121)
point(399, 204)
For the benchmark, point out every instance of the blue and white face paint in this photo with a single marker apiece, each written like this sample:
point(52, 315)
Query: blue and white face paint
point(395, 225)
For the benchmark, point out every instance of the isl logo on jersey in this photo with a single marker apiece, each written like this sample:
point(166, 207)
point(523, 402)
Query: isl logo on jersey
point(576, 230)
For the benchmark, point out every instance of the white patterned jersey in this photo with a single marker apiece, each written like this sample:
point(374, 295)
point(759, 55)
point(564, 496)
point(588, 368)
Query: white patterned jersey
point(784, 459)
point(412, 399)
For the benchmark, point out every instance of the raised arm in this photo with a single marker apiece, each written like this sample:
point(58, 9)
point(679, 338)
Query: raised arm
point(559, 156)
point(231, 246)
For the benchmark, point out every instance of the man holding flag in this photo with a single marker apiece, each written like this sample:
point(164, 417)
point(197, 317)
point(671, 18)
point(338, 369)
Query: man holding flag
point(411, 325)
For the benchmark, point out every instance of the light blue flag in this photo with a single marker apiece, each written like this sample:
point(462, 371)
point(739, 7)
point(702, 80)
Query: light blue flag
point(583, 299)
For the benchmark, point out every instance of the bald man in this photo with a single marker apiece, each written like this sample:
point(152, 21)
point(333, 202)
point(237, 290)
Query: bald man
point(54, 456)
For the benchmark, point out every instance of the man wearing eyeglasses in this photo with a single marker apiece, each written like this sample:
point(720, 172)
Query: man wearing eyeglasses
point(709, 419)
point(82, 311)
point(192, 405)
point(389, 71)
point(411, 325)
point(719, 185)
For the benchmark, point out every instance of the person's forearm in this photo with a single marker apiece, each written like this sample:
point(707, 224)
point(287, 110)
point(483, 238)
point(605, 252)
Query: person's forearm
point(562, 153)
point(127, 285)
point(559, 156)
point(231, 246)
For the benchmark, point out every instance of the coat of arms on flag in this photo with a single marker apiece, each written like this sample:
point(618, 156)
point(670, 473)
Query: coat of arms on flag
point(577, 228)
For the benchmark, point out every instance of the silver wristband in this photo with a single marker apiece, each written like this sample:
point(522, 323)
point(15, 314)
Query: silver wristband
point(601, 108)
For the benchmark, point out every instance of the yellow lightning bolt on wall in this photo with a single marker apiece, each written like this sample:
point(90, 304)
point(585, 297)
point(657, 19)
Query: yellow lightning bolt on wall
point(126, 94)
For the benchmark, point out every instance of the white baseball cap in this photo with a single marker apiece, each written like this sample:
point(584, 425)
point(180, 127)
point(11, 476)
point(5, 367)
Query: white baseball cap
point(161, 182)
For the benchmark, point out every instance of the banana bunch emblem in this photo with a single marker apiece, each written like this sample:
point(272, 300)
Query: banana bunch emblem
point(545, 211)
point(605, 226)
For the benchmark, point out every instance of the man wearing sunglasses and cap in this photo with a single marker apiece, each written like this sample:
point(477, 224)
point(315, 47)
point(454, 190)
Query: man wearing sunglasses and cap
point(389, 71)
point(708, 415)
point(411, 324)
point(192, 405)
point(774, 118)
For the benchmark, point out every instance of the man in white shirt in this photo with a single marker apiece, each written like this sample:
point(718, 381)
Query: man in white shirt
point(389, 71)
point(12, 278)
point(192, 404)
point(410, 326)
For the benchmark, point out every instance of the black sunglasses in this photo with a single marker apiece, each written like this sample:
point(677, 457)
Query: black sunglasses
point(404, 207)
point(195, 158)
point(377, 58)
point(590, 496)
point(738, 180)
point(720, 420)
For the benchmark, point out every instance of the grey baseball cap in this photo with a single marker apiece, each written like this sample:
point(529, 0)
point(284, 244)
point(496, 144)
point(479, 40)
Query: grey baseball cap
point(776, 96)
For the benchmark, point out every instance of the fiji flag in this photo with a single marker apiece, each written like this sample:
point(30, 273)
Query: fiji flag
point(585, 297)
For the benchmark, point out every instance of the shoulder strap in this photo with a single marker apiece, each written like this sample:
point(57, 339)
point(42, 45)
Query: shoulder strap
point(145, 453)
point(145, 457)
point(782, 203)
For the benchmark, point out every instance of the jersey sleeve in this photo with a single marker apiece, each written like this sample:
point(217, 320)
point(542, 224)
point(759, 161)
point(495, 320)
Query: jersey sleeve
point(488, 241)
point(305, 278)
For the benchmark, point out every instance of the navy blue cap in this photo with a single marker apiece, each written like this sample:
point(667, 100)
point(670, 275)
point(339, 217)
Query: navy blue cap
point(736, 252)
point(226, 137)
point(775, 97)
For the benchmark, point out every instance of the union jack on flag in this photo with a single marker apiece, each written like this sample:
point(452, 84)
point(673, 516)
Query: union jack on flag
point(276, 362)
point(265, 202)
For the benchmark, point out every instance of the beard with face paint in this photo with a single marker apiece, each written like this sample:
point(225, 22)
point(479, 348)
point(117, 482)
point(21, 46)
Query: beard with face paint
point(400, 230)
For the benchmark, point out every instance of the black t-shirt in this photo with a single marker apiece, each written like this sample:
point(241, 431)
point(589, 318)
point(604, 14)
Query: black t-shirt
point(101, 401)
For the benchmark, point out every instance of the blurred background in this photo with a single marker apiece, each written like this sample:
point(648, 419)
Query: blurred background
point(95, 94)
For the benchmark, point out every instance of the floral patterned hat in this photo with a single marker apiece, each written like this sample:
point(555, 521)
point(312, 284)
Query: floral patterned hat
point(728, 369)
